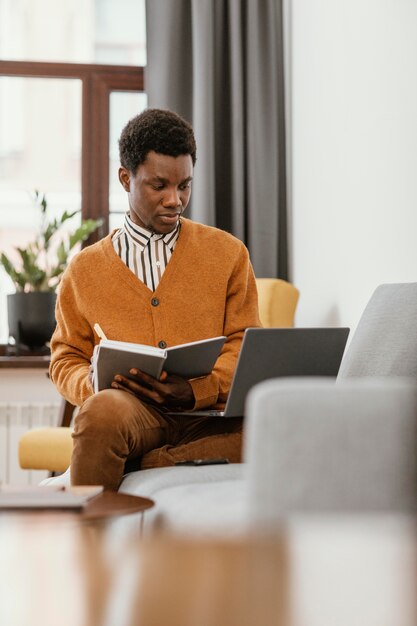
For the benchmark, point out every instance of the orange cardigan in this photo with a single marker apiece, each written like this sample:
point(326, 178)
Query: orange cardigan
point(208, 289)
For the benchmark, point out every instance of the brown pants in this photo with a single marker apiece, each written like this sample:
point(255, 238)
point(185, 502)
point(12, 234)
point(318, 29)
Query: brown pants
point(115, 432)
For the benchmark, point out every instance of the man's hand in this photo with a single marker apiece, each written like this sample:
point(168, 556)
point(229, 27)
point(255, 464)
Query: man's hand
point(168, 391)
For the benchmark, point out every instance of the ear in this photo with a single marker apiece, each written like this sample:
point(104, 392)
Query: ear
point(124, 177)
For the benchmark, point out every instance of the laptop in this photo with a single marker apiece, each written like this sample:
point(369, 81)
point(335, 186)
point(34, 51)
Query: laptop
point(274, 352)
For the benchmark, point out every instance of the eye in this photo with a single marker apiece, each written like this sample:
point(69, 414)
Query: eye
point(157, 186)
point(185, 186)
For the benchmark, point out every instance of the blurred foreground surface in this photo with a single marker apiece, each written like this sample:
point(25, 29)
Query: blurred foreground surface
point(313, 571)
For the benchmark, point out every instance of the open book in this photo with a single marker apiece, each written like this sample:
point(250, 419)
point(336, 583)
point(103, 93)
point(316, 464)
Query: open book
point(189, 360)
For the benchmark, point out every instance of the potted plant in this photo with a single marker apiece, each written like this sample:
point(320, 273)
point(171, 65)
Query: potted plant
point(31, 310)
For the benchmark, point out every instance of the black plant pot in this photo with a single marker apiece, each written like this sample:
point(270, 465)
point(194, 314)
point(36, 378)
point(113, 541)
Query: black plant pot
point(31, 318)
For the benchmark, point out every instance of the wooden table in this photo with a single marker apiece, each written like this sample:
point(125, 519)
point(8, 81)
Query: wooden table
point(55, 565)
point(105, 506)
point(314, 571)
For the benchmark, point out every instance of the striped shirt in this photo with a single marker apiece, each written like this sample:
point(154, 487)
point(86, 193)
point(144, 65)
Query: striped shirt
point(145, 253)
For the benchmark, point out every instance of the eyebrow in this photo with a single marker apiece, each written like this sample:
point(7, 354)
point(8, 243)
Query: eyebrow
point(165, 180)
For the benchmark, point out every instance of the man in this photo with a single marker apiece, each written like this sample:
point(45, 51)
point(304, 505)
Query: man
point(161, 280)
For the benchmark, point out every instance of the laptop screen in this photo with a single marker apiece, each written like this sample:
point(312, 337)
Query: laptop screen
point(275, 352)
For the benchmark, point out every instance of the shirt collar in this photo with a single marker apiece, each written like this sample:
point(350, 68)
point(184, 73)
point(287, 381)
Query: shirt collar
point(140, 236)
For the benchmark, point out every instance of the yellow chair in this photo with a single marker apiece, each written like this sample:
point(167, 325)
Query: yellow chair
point(48, 448)
point(51, 448)
point(277, 300)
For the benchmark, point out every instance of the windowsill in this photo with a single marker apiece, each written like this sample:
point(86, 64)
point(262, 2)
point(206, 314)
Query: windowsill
point(23, 361)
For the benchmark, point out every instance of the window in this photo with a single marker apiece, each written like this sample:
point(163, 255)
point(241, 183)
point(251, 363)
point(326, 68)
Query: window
point(60, 118)
point(112, 32)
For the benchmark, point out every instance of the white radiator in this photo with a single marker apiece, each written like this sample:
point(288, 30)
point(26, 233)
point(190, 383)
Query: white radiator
point(15, 419)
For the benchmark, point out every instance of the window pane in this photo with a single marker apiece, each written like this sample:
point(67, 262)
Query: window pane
point(40, 148)
point(123, 106)
point(79, 31)
point(116, 220)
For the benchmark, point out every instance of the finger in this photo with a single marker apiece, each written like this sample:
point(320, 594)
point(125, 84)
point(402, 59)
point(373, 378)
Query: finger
point(146, 378)
point(120, 382)
point(147, 395)
point(151, 382)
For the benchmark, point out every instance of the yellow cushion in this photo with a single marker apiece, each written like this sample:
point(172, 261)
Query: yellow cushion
point(46, 449)
point(277, 302)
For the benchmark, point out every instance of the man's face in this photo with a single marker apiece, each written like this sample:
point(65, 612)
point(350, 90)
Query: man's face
point(159, 191)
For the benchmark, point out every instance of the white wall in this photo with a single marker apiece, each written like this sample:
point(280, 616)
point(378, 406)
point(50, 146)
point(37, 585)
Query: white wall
point(354, 153)
point(32, 385)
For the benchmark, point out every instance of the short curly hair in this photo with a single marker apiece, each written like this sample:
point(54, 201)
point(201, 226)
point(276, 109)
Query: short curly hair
point(159, 130)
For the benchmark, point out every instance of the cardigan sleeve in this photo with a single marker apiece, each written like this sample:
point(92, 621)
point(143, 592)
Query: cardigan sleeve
point(72, 345)
point(241, 312)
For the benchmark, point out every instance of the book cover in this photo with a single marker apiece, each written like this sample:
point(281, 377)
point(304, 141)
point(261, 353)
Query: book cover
point(189, 360)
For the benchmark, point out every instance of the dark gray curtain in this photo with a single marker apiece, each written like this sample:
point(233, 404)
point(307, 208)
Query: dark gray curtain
point(219, 63)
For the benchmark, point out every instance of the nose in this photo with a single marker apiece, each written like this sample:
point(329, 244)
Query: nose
point(172, 199)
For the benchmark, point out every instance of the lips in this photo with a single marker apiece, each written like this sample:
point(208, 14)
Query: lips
point(169, 218)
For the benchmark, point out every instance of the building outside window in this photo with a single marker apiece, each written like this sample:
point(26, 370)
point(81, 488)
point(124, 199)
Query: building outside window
point(71, 75)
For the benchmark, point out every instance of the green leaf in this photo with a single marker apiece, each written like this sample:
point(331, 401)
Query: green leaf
point(40, 199)
point(62, 254)
point(17, 277)
point(67, 216)
point(83, 232)
point(50, 231)
point(54, 226)
point(32, 273)
point(41, 265)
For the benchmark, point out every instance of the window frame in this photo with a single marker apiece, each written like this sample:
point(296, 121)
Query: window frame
point(97, 82)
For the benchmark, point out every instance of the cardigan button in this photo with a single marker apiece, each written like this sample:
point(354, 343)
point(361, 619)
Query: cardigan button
point(154, 301)
point(162, 344)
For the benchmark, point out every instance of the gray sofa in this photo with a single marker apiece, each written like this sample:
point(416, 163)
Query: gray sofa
point(222, 498)
point(350, 447)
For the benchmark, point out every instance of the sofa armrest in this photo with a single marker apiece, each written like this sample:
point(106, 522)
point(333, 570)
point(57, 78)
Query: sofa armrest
point(312, 446)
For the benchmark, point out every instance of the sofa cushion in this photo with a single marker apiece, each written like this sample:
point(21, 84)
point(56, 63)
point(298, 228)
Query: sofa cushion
point(199, 509)
point(206, 500)
point(149, 482)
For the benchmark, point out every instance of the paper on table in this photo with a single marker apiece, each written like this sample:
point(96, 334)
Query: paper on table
point(48, 496)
